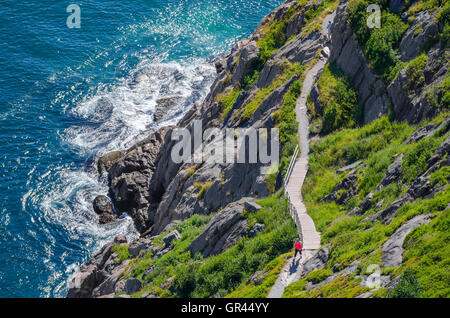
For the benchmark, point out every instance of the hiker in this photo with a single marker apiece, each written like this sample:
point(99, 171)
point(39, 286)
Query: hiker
point(298, 248)
point(329, 29)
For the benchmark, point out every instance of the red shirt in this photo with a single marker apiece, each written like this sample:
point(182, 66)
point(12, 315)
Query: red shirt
point(298, 245)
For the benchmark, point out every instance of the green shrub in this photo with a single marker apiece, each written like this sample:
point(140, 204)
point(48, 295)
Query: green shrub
point(414, 71)
point(379, 44)
point(319, 275)
point(440, 177)
point(122, 252)
point(338, 99)
point(407, 287)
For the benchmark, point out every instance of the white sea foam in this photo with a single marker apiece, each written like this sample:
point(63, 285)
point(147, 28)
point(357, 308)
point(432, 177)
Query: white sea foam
point(115, 117)
point(111, 118)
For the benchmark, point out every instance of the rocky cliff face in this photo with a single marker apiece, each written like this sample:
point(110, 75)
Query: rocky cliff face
point(406, 102)
point(159, 193)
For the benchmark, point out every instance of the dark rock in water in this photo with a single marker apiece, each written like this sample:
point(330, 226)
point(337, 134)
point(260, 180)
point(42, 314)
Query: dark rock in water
point(172, 236)
point(102, 204)
point(129, 179)
point(220, 66)
point(162, 106)
point(223, 231)
point(103, 109)
point(120, 239)
point(106, 218)
point(105, 162)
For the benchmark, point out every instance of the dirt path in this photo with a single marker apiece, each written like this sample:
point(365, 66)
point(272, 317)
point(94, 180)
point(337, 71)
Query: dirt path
point(311, 238)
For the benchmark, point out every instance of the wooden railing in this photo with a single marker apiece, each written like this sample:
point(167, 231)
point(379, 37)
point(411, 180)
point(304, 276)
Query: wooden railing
point(292, 209)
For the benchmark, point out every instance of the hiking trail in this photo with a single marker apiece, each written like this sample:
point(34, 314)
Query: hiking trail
point(311, 238)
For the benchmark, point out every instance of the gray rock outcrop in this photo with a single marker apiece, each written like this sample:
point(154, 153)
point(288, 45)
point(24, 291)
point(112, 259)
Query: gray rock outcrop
point(393, 248)
point(346, 53)
point(223, 231)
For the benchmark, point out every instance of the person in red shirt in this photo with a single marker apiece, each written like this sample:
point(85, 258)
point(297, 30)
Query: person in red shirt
point(298, 247)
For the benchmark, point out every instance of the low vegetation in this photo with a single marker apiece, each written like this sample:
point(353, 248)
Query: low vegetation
point(223, 274)
point(351, 238)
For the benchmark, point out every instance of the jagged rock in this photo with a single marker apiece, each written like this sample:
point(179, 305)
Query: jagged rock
point(344, 190)
point(162, 106)
point(412, 44)
point(348, 56)
point(300, 49)
point(443, 149)
point(139, 245)
point(318, 260)
point(168, 239)
point(148, 271)
point(273, 101)
point(314, 95)
point(132, 286)
point(130, 177)
point(393, 248)
point(106, 161)
point(247, 61)
point(365, 205)
point(393, 173)
point(425, 131)
point(413, 105)
point(250, 205)
point(106, 218)
point(102, 204)
point(344, 272)
point(257, 278)
point(120, 239)
point(223, 231)
point(105, 288)
point(168, 284)
point(257, 228)
point(349, 167)
point(162, 252)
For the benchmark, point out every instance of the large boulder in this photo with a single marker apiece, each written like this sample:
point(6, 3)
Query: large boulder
point(222, 232)
point(418, 36)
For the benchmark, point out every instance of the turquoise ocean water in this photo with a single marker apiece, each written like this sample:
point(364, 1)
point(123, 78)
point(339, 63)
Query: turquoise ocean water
point(68, 96)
